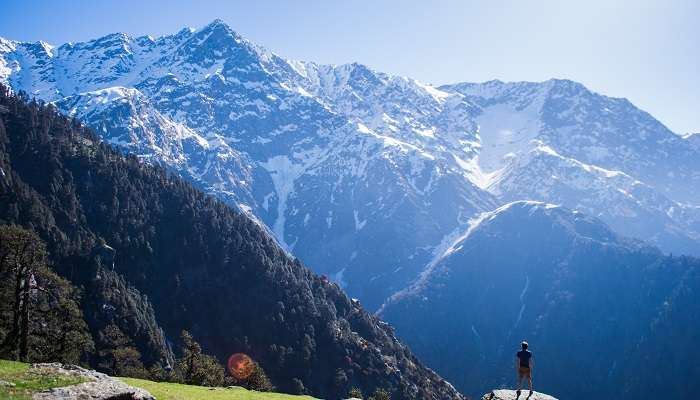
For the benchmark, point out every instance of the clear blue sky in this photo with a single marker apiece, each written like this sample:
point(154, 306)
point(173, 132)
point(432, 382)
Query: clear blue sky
point(647, 51)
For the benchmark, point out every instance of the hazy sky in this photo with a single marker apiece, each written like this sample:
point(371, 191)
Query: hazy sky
point(647, 51)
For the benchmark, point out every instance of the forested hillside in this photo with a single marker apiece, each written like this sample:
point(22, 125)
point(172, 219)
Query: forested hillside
point(154, 256)
point(606, 316)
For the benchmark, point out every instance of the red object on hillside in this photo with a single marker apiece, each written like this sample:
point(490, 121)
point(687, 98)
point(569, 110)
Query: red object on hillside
point(240, 366)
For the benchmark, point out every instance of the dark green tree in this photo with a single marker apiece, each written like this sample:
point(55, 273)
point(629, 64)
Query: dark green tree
point(259, 381)
point(22, 254)
point(355, 393)
point(380, 394)
point(197, 368)
point(58, 331)
point(119, 356)
point(46, 320)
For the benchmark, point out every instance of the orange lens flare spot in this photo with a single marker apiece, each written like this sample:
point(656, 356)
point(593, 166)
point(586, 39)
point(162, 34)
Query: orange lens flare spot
point(240, 366)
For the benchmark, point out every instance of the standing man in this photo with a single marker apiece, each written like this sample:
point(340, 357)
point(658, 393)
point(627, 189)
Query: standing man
point(523, 364)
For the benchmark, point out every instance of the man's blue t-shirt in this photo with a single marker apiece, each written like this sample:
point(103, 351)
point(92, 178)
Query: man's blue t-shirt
point(524, 356)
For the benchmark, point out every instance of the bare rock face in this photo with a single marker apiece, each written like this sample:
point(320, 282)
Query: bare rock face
point(504, 394)
point(98, 387)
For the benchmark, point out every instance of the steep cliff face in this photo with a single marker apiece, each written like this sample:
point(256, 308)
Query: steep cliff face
point(198, 264)
point(591, 303)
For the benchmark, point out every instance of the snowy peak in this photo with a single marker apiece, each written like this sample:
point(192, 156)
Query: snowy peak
point(215, 42)
point(120, 60)
point(398, 108)
point(218, 25)
point(7, 45)
point(113, 41)
point(518, 94)
point(580, 124)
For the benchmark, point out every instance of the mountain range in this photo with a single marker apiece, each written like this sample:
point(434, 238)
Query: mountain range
point(378, 181)
point(364, 175)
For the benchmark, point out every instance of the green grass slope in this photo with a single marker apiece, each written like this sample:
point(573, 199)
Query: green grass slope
point(176, 391)
point(26, 382)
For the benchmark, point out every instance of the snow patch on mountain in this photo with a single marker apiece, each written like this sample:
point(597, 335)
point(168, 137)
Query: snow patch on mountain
point(283, 173)
point(505, 133)
point(522, 299)
point(359, 224)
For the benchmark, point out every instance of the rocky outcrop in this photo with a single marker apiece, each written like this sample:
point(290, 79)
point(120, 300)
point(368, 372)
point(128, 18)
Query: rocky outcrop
point(98, 386)
point(504, 394)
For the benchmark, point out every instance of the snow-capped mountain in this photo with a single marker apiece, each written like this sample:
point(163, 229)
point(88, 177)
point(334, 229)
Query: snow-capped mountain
point(597, 130)
point(363, 175)
point(558, 142)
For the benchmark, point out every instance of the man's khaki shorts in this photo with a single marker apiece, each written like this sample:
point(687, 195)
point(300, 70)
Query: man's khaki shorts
point(524, 372)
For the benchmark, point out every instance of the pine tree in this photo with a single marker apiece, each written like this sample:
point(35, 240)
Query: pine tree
point(259, 381)
point(47, 323)
point(22, 253)
point(380, 394)
point(355, 393)
point(119, 356)
point(196, 368)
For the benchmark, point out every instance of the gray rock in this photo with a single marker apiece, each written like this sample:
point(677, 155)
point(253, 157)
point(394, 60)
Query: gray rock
point(504, 394)
point(6, 384)
point(65, 369)
point(98, 387)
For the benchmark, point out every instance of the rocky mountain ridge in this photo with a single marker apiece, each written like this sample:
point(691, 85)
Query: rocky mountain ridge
point(342, 162)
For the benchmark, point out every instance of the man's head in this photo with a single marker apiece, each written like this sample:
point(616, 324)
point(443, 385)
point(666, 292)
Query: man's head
point(523, 345)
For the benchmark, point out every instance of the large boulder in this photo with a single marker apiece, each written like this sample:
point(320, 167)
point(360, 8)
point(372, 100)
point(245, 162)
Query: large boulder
point(504, 394)
point(98, 386)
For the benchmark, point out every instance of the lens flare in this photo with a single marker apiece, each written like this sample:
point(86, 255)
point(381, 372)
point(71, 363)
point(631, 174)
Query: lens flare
point(240, 366)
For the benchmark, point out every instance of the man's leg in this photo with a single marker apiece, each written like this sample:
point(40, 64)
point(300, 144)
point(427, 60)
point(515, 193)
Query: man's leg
point(529, 380)
point(520, 381)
